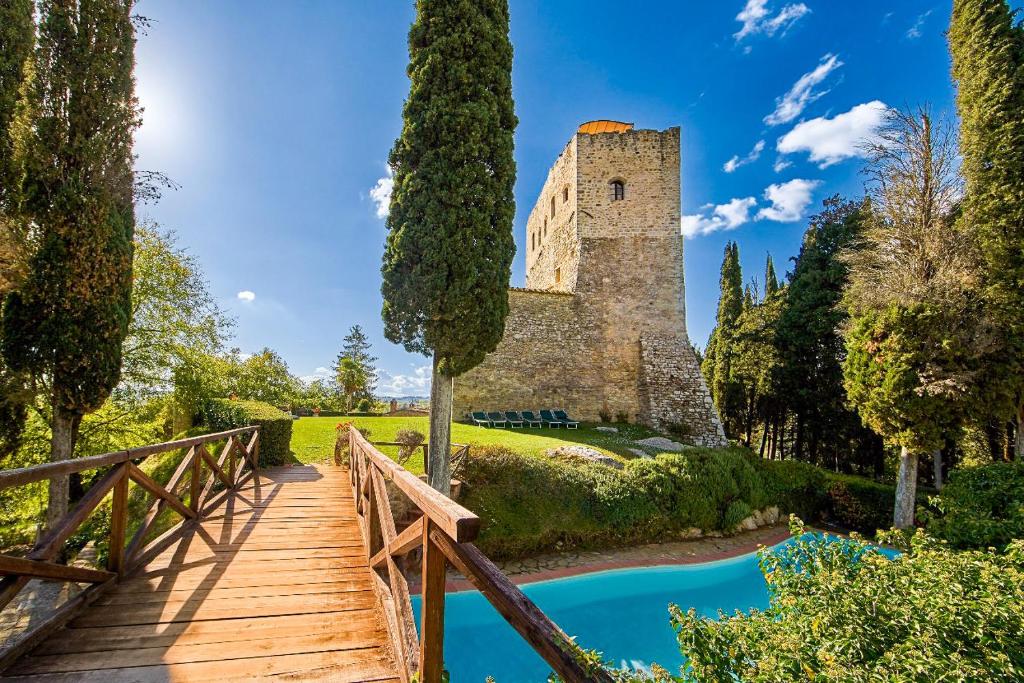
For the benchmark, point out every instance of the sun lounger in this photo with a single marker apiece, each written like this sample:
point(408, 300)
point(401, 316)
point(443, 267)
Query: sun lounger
point(549, 419)
point(497, 419)
point(531, 419)
point(480, 419)
point(513, 419)
point(566, 420)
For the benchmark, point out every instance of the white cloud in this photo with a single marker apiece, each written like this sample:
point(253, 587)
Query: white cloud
point(727, 216)
point(914, 31)
point(757, 18)
point(381, 194)
point(789, 200)
point(781, 165)
point(320, 373)
point(792, 104)
point(246, 295)
point(736, 161)
point(829, 141)
point(415, 384)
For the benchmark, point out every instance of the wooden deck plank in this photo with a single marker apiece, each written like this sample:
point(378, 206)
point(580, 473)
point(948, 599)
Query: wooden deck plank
point(272, 583)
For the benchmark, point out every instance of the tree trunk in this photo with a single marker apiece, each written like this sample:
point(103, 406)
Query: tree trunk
point(798, 443)
point(64, 430)
point(906, 490)
point(439, 450)
point(937, 466)
point(750, 418)
point(764, 435)
point(1018, 448)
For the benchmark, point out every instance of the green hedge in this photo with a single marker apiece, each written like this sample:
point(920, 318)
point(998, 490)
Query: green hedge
point(980, 507)
point(275, 426)
point(531, 505)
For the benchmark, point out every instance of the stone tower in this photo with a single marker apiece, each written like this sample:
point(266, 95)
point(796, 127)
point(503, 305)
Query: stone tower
point(601, 325)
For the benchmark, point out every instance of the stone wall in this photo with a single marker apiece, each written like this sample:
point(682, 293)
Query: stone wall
point(673, 391)
point(602, 325)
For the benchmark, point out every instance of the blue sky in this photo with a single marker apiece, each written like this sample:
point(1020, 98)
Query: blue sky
point(276, 119)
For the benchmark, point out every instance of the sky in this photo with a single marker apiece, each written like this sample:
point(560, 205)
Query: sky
point(275, 119)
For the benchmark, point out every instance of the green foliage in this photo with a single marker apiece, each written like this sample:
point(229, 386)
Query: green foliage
point(901, 372)
point(980, 507)
point(987, 48)
point(261, 377)
point(860, 504)
point(531, 505)
point(68, 318)
point(795, 487)
point(958, 616)
point(726, 391)
point(354, 370)
point(275, 425)
point(448, 258)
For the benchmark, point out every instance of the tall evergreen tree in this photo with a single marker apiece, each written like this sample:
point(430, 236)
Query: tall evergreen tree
point(17, 40)
point(356, 348)
point(771, 281)
point(65, 325)
point(811, 347)
point(988, 66)
point(717, 366)
point(450, 247)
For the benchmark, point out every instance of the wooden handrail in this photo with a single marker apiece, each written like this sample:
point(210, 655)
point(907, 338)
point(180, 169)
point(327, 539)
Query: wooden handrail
point(441, 535)
point(41, 562)
point(27, 475)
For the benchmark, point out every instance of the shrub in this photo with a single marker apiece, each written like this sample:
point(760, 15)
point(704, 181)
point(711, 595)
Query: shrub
point(860, 504)
point(605, 415)
point(275, 426)
point(959, 616)
point(341, 445)
point(737, 511)
point(980, 507)
point(622, 417)
point(796, 487)
point(410, 440)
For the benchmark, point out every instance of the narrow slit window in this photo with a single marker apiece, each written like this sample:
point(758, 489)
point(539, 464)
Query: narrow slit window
point(545, 227)
point(552, 207)
point(618, 190)
point(565, 194)
point(558, 275)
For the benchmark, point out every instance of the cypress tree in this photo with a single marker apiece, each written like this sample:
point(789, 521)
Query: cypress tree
point(448, 257)
point(17, 40)
point(67, 322)
point(988, 65)
point(717, 365)
point(771, 282)
point(357, 349)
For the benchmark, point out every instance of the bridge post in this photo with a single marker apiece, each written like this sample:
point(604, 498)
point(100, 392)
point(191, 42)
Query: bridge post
point(432, 628)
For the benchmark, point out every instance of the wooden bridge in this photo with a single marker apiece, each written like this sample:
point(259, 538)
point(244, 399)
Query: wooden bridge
point(297, 573)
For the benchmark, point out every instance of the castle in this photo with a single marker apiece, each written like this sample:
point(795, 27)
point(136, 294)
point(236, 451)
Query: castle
point(600, 327)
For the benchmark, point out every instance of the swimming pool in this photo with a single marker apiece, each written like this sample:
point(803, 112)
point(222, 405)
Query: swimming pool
point(622, 613)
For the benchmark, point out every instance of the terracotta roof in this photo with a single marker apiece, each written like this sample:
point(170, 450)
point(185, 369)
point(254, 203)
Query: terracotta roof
point(604, 126)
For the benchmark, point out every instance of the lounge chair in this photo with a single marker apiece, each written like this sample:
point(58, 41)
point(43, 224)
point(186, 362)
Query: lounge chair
point(566, 420)
point(513, 419)
point(549, 419)
point(531, 419)
point(497, 419)
point(480, 419)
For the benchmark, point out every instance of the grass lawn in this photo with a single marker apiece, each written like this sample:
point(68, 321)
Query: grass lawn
point(313, 437)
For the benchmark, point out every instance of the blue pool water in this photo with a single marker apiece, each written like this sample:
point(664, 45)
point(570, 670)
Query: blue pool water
point(622, 613)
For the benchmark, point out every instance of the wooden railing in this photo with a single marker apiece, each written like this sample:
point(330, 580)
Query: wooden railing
point(442, 533)
point(237, 461)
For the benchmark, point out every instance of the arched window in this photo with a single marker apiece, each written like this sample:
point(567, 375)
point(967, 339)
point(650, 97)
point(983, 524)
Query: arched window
point(618, 190)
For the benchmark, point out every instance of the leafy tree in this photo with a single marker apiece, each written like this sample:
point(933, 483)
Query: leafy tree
point(65, 324)
point(988, 66)
point(448, 258)
point(727, 393)
point(263, 376)
point(913, 319)
point(357, 350)
point(351, 378)
point(771, 282)
point(755, 362)
point(175, 319)
point(958, 616)
point(17, 39)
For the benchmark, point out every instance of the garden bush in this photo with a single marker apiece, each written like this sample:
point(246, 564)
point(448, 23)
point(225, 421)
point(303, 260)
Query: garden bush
point(860, 504)
point(796, 487)
point(275, 425)
point(980, 507)
point(531, 505)
point(958, 616)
